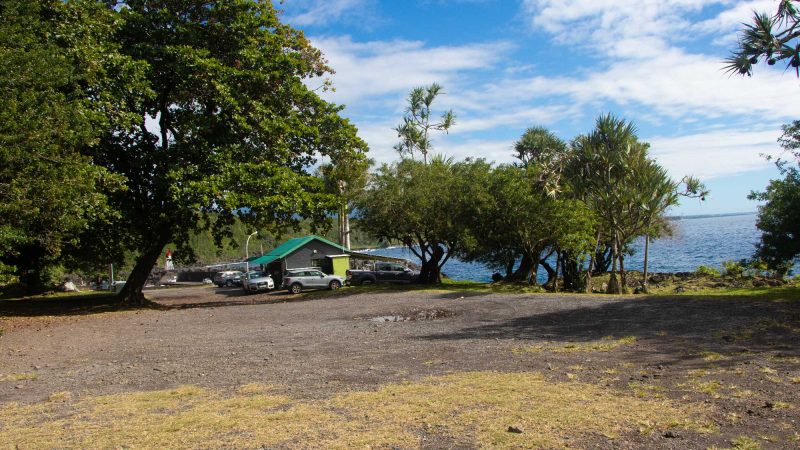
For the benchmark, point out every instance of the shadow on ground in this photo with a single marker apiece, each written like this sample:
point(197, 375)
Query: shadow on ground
point(672, 328)
point(64, 306)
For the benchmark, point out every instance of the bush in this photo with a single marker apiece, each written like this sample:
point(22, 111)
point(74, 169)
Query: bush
point(733, 268)
point(707, 271)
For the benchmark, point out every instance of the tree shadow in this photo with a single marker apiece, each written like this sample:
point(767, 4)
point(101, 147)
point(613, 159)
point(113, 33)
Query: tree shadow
point(73, 305)
point(674, 329)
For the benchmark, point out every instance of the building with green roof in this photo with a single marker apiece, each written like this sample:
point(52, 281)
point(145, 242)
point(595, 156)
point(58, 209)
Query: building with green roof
point(306, 251)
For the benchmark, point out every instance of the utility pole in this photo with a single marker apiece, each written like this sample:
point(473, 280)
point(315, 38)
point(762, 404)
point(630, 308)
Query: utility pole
point(247, 251)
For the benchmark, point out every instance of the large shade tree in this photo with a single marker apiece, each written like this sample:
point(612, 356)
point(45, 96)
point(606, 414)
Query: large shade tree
point(429, 208)
point(61, 81)
point(227, 126)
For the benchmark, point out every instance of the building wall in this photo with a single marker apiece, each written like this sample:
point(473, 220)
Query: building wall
point(303, 256)
point(340, 265)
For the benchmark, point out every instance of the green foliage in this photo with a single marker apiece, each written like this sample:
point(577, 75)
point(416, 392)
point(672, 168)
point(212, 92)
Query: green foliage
point(779, 221)
point(427, 207)
point(517, 216)
point(415, 130)
point(630, 192)
point(707, 271)
point(770, 39)
point(790, 140)
point(226, 128)
point(60, 81)
point(733, 269)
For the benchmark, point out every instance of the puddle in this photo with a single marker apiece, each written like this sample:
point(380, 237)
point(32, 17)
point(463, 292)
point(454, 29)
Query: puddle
point(422, 314)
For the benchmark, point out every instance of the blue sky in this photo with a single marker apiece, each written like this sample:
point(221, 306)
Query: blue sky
point(508, 65)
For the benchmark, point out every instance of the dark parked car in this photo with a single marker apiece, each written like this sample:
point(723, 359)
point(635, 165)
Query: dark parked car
point(228, 278)
point(385, 272)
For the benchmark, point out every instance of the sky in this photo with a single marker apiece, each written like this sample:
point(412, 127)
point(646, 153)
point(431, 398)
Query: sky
point(509, 65)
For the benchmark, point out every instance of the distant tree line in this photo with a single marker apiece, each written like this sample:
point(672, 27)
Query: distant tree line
point(570, 208)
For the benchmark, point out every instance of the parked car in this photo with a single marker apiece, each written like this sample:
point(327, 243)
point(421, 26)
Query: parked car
point(257, 281)
point(298, 279)
point(117, 286)
point(385, 272)
point(247, 276)
point(228, 278)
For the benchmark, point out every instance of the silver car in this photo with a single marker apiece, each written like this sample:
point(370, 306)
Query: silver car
point(298, 279)
point(257, 281)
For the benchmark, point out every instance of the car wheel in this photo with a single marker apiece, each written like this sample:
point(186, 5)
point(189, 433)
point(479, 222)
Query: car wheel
point(335, 284)
point(296, 288)
point(368, 281)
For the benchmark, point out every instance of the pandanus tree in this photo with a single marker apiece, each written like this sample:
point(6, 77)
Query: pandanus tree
point(417, 202)
point(770, 38)
point(655, 193)
point(418, 123)
point(612, 171)
point(601, 171)
point(346, 178)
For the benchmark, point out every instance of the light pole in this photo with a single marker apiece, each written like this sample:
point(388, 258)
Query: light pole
point(247, 252)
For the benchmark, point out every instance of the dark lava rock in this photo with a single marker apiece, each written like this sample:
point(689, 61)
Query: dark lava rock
point(512, 429)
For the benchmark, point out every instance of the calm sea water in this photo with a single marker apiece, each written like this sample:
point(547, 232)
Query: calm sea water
point(695, 241)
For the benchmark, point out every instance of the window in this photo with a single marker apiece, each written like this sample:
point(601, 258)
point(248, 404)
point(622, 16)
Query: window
point(316, 262)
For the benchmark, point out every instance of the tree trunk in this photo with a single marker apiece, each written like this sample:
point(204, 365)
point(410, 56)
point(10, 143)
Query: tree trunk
point(552, 274)
point(532, 278)
point(131, 293)
point(623, 277)
point(558, 264)
point(510, 270)
point(602, 259)
point(524, 268)
point(346, 227)
point(613, 283)
point(644, 271)
point(430, 273)
point(571, 272)
point(591, 265)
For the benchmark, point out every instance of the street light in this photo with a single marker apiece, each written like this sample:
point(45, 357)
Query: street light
point(247, 252)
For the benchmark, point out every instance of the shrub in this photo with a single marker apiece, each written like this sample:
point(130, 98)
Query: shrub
point(707, 271)
point(733, 268)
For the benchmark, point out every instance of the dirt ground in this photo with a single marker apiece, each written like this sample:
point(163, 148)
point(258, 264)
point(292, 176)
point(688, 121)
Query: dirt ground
point(738, 358)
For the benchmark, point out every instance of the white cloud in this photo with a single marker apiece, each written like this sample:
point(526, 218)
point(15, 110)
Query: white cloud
point(616, 28)
point(642, 62)
point(729, 21)
point(715, 154)
point(365, 70)
point(319, 12)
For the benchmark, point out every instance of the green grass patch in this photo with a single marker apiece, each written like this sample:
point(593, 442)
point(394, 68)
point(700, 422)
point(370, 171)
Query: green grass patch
point(58, 295)
point(18, 377)
point(605, 344)
point(778, 294)
point(472, 409)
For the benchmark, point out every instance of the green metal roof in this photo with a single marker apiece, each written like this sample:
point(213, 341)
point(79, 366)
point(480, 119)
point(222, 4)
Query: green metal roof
point(290, 247)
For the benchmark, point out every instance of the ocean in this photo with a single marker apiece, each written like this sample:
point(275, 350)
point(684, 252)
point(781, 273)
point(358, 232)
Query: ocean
point(695, 241)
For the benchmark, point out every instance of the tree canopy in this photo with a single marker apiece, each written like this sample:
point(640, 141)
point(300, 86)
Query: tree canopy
point(180, 116)
point(59, 93)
